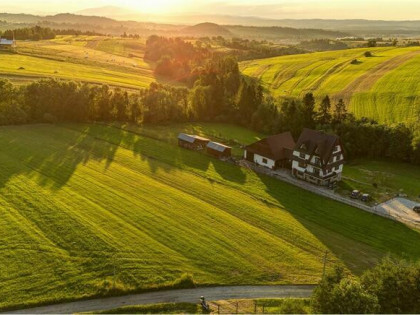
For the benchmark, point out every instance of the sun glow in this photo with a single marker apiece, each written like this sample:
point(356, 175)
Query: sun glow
point(157, 6)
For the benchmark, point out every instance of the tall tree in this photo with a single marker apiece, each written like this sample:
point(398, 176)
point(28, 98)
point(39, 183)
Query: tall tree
point(340, 112)
point(308, 111)
point(324, 116)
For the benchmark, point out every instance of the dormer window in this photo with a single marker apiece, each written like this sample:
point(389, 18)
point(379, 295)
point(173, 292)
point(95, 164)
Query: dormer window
point(336, 148)
point(303, 146)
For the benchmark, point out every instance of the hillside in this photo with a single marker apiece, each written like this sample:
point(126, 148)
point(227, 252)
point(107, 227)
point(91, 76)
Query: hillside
point(95, 59)
point(206, 29)
point(384, 87)
point(94, 200)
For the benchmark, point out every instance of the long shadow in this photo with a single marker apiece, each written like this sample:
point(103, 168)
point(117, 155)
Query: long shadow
point(51, 154)
point(229, 172)
point(358, 238)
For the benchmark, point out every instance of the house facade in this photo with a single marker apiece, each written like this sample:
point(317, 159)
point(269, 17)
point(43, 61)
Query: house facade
point(318, 158)
point(272, 152)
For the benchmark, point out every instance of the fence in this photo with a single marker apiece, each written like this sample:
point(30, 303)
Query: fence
point(273, 306)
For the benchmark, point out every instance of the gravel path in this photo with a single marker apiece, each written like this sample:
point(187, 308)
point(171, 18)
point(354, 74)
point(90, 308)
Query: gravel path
point(170, 296)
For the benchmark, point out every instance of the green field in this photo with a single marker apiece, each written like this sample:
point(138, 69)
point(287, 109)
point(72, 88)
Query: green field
point(389, 177)
point(77, 201)
point(84, 58)
point(385, 87)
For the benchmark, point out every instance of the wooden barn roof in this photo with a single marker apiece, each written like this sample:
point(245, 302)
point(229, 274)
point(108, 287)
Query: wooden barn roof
point(276, 147)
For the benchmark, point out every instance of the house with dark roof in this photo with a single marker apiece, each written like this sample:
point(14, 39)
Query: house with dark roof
point(318, 157)
point(219, 150)
point(192, 142)
point(272, 152)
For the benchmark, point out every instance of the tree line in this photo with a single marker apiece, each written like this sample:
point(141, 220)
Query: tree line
point(29, 33)
point(42, 33)
point(391, 287)
point(214, 97)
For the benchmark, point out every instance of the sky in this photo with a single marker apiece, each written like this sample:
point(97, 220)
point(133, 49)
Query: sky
point(277, 9)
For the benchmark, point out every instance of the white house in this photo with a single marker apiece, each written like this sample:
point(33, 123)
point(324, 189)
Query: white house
point(318, 158)
point(272, 152)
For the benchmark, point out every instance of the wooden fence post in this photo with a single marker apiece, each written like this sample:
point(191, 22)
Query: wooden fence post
point(237, 306)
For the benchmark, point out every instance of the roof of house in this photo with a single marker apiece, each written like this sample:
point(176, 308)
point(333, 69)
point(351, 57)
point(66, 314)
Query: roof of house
point(276, 147)
point(217, 146)
point(313, 141)
point(191, 138)
point(4, 41)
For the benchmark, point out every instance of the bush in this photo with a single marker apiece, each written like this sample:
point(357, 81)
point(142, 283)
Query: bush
point(368, 54)
point(186, 281)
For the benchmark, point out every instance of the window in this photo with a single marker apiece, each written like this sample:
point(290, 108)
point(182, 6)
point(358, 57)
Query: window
point(302, 155)
point(316, 171)
point(316, 160)
point(336, 148)
point(264, 161)
point(337, 168)
point(302, 165)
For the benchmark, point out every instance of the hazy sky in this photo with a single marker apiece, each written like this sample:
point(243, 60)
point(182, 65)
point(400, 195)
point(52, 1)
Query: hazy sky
point(338, 9)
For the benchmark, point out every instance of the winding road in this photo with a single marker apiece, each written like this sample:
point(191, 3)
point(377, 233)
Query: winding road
point(171, 296)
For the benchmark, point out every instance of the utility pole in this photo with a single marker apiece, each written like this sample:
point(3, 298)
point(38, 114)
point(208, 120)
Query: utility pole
point(325, 263)
point(113, 278)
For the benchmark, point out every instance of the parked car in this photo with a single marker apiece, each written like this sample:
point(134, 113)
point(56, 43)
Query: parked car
point(365, 197)
point(416, 209)
point(355, 194)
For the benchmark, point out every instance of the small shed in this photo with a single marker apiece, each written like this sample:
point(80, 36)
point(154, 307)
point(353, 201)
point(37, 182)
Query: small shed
point(192, 142)
point(7, 44)
point(219, 150)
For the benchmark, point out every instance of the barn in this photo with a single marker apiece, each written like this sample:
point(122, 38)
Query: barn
point(272, 152)
point(6, 44)
point(219, 150)
point(192, 142)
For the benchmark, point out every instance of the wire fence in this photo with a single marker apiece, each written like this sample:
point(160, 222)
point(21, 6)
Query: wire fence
point(250, 306)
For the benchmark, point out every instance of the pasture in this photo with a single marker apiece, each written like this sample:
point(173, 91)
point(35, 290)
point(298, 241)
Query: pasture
point(384, 87)
point(82, 203)
point(84, 58)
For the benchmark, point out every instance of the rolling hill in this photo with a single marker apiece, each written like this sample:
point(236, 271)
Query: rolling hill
point(384, 87)
point(206, 29)
point(96, 200)
point(95, 59)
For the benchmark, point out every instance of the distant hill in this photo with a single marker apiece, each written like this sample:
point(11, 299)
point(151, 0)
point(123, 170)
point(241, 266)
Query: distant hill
point(371, 88)
point(275, 32)
point(207, 29)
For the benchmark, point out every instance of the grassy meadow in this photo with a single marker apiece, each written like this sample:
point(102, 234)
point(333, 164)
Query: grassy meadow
point(390, 178)
point(94, 59)
point(80, 202)
point(384, 87)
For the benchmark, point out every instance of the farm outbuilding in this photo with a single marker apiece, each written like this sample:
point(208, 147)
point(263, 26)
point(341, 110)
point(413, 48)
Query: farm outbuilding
point(192, 142)
point(7, 44)
point(272, 152)
point(219, 150)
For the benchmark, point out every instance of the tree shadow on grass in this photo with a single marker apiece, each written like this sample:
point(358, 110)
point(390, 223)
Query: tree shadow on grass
point(358, 238)
point(229, 171)
point(51, 154)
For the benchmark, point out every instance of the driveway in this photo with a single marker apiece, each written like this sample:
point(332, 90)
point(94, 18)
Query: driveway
point(171, 296)
point(400, 208)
